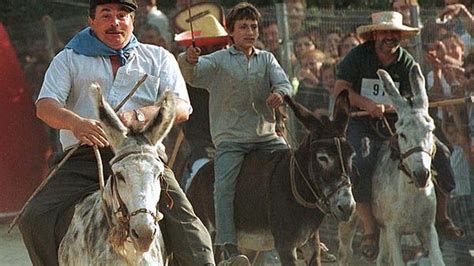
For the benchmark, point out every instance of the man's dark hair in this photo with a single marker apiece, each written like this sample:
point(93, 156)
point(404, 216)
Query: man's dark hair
point(240, 11)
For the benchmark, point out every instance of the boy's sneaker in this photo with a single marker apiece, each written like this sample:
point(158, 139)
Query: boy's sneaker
point(237, 260)
point(232, 256)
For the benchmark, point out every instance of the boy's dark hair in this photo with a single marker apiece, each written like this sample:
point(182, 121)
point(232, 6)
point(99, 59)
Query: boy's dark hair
point(240, 11)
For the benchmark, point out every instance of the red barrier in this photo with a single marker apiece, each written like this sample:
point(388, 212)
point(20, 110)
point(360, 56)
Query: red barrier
point(23, 139)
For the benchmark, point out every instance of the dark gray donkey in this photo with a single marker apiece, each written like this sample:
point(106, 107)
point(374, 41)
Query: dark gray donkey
point(281, 198)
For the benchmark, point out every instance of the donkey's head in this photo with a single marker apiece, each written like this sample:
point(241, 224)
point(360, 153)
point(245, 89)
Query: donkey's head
point(414, 126)
point(134, 189)
point(325, 157)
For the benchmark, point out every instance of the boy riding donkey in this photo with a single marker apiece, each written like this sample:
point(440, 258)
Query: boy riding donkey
point(245, 85)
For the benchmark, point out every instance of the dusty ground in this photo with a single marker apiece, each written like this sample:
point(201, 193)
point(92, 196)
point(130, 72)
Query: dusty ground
point(12, 250)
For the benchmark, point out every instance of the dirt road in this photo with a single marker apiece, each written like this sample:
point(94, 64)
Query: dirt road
point(12, 250)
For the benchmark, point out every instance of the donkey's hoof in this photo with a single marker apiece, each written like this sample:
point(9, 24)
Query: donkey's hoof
point(369, 246)
point(448, 229)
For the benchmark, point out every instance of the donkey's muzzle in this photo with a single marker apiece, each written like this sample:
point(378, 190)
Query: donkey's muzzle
point(142, 237)
point(421, 177)
point(344, 205)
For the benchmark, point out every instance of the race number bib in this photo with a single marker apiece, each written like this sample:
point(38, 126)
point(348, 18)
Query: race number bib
point(373, 89)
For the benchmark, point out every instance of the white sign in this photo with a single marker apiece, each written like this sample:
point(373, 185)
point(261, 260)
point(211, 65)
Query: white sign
point(373, 89)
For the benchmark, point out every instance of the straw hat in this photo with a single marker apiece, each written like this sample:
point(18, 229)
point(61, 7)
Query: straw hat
point(181, 20)
point(388, 20)
point(207, 31)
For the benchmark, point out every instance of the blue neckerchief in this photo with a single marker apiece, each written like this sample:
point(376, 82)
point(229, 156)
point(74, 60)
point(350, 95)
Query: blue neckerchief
point(86, 43)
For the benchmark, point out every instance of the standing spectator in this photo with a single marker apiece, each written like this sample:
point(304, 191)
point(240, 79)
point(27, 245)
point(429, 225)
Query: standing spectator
point(309, 74)
point(405, 8)
point(302, 44)
point(271, 38)
point(332, 44)
point(467, 84)
point(328, 81)
point(402, 7)
point(296, 15)
point(457, 135)
point(310, 92)
point(348, 42)
point(445, 58)
point(148, 13)
point(245, 86)
point(150, 35)
point(461, 199)
point(459, 11)
point(314, 34)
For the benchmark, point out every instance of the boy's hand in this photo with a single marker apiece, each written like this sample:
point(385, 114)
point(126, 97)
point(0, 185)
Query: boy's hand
point(274, 100)
point(192, 54)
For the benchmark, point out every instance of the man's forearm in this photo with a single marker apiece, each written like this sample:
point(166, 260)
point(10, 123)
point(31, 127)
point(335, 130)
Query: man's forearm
point(129, 118)
point(55, 115)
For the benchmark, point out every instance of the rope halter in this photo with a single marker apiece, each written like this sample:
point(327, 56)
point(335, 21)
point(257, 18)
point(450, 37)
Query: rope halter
point(322, 200)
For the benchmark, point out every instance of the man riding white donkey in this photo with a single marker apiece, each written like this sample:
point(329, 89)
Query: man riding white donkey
point(357, 73)
point(107, 53)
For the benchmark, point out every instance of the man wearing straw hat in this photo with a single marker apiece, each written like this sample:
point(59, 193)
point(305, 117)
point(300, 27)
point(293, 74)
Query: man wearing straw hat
point(357, 74)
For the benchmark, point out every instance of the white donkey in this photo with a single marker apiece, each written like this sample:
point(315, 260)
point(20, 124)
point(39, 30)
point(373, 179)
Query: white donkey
point(130, 198)
point(403, 200)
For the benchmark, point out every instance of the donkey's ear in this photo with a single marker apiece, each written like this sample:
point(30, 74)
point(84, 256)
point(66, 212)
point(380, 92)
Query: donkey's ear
point(392, 91)
point(157, 129)
point(305, 116)
point(341, 112)
point(113, 127)
point(417, 82)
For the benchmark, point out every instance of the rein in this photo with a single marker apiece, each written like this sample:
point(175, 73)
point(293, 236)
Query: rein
point(402, 166)
point(321, 200)
point(69, 154)
point(120, 231)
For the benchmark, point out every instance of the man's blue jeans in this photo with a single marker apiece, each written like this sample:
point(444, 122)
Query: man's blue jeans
point(228, 162)
point(366, 145)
